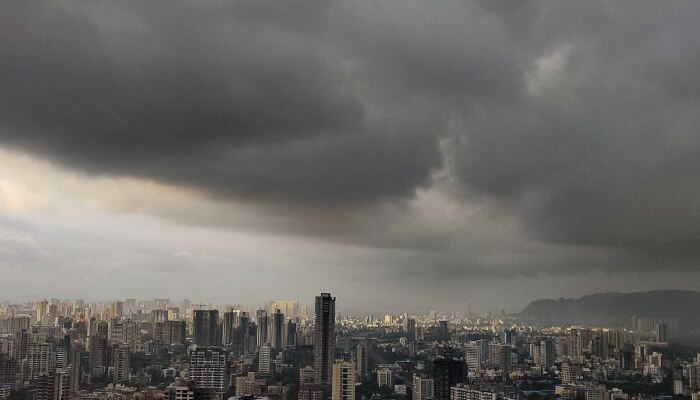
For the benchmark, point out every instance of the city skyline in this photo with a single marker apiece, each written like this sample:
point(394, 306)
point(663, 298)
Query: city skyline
point(178, 350)
point(426, 155)
point(618, 307)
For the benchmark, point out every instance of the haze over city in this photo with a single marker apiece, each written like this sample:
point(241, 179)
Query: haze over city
point(402, 155)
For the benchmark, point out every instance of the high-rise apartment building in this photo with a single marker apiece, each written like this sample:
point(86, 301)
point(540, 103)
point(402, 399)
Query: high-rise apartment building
point(240, 340)
point(547, 353)
point(227, 325)
point(120, 362)
point(262, 322)
point(205, 326)
point(207, 368)
point(116, 309)
point(291, 334)
point(473, 356)
point(97, 347)
point(103, 329)
point(694, 376)
point(443, 333)
point(500, 356)
point(324, 338)
point(448, 373)
point(290, 308)
point(76, 369)
point(385, 377)
point(264, 361)
point(8, 370)
point(62, 352)
point(61, 384)
point(464, 392)
point(159, 315)
point(44, 385)
point(662, 333)
point(409, 327)
point(569, 372)
point(170, 332)
point(423, 387)
point(38, 360)
point(277, 331)
point(361, 359)
point(21, 344)
point(344, 379)
point(245, 385)
point(123, 331)
point(42, 307)
point(17, 323)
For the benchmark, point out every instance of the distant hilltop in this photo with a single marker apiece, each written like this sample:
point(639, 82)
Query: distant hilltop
point(618, 308)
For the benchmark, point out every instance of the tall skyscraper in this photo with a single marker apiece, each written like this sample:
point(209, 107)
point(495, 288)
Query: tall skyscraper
point(120, 362)
point(103, 329)
point(500, 356)
point(547, 353)
point(42, 307)
point(263, 328)
point(448, 373)
point(76, 369)
point(662, 333)
point(291, 339)
point(240, 336)
point(443, 331)
point(678, 385)
point(116, 309)
point(116, 331)
point(22, 344)
point(51, 314)
point(277, 331)
point(344, 379)
point(508, 336)
point(324, 338)
point(409, 327)
point(362, 360)
point(62, 352)
point(205, 324)
point(227, 326)
point(575, 344)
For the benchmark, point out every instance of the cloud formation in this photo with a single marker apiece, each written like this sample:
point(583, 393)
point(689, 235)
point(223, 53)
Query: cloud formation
point(480, 137)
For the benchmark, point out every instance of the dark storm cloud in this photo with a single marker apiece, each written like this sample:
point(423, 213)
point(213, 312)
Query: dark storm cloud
point(607, 155)
point(578, 119)
point(218, 97)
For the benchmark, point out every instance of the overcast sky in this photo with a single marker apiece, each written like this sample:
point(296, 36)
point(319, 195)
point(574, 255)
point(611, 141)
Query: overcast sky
point(403, 155)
